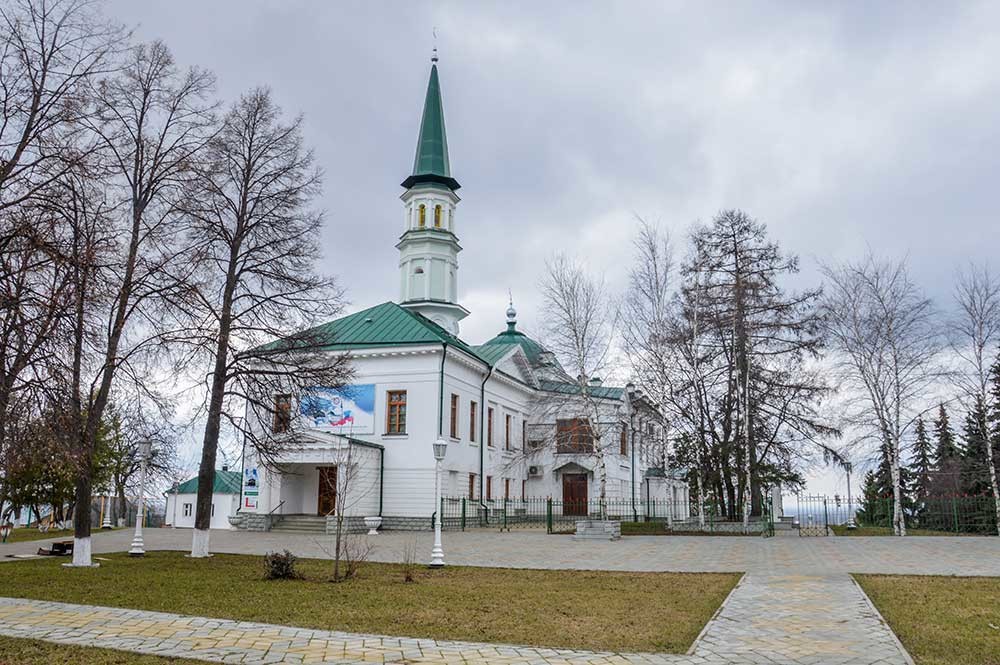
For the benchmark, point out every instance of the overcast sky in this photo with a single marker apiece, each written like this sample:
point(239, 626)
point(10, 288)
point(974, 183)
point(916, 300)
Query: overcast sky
point(841, 125)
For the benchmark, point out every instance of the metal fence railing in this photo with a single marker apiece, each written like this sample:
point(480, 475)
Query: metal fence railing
point(973, 515)
point(958, 514)
point(558, 516)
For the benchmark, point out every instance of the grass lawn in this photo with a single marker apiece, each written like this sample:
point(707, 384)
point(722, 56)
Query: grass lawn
point(16, 651)
point(941, 620)
point(25, 534)
point(660, 529)
point(842, 530)
point(556, 608)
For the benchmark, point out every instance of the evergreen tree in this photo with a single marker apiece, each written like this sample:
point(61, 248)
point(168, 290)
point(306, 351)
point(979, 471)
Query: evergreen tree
point(922, 464)
point(947, 457)
point(874, 508)
point(921, 471)
point(975, 472)
point(993, 411)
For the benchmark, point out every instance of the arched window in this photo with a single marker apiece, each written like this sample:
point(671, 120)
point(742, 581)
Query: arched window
point(437, 216)
point(418, 271)
point(422, 216)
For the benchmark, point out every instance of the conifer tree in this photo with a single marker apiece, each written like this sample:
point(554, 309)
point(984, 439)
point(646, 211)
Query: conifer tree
point(975, 472)
point(921, 462)
point(993, 412)
point(947, 462)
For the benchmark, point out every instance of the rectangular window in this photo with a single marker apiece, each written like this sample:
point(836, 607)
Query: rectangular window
point(506, 488)
point(506, 432)
point(489, 487)
point(454, 416)
point(524, 488)
point(187, 510)
point(472, 486)
point(524, 434)
point(472, 421)
point(213, 510)
point(574, 435)
point(282, 414)
point(395, 412)
point(623, 442)
point(489, 427)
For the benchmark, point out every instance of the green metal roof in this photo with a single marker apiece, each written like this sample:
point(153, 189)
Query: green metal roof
point(564, 388)
point(387, 324)
point(226, 482)
point(501, 345)
point(430, 165)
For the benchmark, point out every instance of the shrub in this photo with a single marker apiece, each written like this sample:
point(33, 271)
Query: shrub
point(280, 566)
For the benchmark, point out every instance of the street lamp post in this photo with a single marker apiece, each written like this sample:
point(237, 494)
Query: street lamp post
point(138, 548)
point(437, 554)
point(106, 509)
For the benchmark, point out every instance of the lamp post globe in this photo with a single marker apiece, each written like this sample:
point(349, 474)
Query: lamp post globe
point(437, 553)
point(138, 547)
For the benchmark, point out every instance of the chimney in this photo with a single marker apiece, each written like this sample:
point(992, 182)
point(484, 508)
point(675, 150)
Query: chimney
point(225, 467)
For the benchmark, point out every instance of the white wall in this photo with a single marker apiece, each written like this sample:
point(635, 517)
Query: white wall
point(224, 505)
point(409, 460)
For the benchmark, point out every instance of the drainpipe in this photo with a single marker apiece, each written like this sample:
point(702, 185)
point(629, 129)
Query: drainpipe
point(635, 515)
point(482, 430)
point(444, 354)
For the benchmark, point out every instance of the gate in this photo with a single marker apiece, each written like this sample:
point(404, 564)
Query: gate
point(813, 515)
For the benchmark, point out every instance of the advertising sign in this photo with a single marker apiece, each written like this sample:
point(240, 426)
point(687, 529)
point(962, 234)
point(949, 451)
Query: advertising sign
point(348, 410)
point(251, 488)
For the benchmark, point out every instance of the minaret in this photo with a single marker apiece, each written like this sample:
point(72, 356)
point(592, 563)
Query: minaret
point(428, 248)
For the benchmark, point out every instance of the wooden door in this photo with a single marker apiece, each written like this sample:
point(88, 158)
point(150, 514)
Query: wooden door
point(574, 494)
point(327, 490)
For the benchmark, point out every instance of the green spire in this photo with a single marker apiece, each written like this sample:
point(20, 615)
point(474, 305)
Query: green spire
point(431, 161)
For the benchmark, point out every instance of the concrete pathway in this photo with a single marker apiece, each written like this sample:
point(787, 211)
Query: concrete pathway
point(921, 555)
point(796, 605)
point(768, 620)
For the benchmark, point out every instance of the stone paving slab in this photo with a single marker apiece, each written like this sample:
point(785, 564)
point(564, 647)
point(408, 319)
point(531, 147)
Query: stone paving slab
point(913, 555)
point(783, 620)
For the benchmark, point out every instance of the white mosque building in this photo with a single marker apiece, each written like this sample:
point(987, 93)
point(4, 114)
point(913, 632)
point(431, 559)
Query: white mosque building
point(513, 419)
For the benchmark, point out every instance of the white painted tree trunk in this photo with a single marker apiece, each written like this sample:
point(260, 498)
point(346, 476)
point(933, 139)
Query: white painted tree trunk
point(82, 553)
point(199, 544)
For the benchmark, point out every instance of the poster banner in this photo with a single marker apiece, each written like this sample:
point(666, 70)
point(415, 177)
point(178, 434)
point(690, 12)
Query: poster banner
point(251, 488)
point(349, 410)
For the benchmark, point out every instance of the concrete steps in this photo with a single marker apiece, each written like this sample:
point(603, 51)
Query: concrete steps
point(301, 524)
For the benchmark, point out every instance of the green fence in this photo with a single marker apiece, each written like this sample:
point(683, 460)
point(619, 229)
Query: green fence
point(557, 516)
point(951, 514)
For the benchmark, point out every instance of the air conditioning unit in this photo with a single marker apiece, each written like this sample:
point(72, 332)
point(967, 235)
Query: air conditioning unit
point(534, 471)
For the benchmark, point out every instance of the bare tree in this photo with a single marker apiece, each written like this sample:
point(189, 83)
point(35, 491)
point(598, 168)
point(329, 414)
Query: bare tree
point(353, 485)
point(256, 238)
point(152, 121)
point(975, 333)
point(51, 52)
point(579, 329)
point(886, 343)
point(646, 325)
point(745, 341)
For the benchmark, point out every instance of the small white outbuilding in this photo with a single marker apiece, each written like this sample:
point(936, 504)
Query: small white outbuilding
point(225, 500)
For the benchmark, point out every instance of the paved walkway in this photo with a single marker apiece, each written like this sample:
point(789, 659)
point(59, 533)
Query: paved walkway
point(922, 555)
point(796, 605)
point(766, 620)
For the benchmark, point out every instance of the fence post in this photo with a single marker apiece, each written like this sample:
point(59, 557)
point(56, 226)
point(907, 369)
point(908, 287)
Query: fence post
point(954, 512)
point(505, 514)
point(548, 515)
point(826, 517)
point(463, 513)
